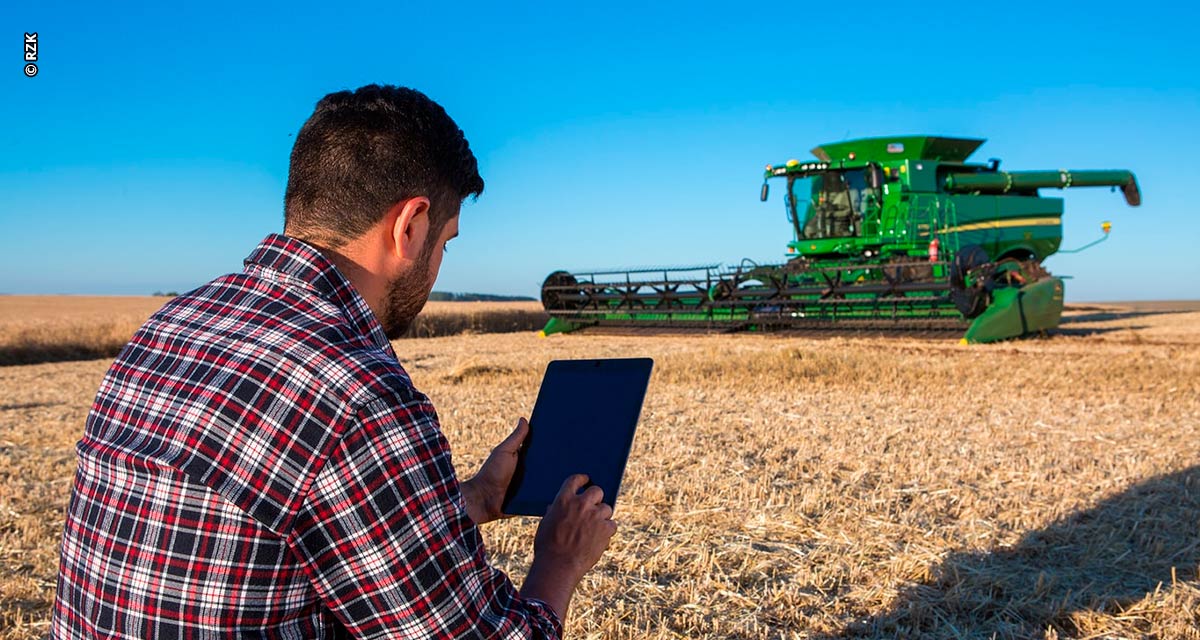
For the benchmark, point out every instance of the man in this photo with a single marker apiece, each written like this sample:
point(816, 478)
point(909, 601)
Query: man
point(257, 462)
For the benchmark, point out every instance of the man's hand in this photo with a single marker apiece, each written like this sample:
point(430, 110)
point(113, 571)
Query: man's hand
point(569, 541)
point(484, 494)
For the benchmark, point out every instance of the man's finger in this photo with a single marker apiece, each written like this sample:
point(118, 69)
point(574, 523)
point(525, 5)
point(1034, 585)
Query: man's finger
point(593, 495)
point(515, 439)
point(573, 484)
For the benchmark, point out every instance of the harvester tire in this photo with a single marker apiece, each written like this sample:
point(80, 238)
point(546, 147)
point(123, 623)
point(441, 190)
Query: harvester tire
point(970, 281)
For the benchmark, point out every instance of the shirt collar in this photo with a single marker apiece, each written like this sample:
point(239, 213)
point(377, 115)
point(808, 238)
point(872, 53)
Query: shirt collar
point(302, 262)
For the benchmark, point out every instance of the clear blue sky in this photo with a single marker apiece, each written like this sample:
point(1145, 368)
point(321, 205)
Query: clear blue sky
point(150, 153)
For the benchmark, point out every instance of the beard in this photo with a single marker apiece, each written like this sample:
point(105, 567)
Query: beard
point(406, 296)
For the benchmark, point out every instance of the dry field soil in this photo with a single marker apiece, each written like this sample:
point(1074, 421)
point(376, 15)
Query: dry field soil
point(784, 486)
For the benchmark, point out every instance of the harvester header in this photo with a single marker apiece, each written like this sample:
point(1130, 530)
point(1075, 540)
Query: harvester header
point(891, 232)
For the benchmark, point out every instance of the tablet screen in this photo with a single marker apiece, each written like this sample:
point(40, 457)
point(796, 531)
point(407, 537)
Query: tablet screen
point(583, 422)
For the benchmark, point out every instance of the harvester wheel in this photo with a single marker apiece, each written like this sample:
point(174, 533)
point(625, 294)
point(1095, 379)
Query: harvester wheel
point(970, 281)
point(557, 284)
point(968, 258)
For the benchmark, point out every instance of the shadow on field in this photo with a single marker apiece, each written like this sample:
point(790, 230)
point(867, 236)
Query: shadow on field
point(1099, 559)
point(1109, 316)
point(1091, 331)
point(1101, 314)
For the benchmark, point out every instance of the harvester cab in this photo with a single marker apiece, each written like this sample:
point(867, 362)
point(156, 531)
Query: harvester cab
point(834, 203)
point(894, 233)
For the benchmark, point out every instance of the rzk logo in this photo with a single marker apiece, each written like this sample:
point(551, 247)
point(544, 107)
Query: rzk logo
point(31, 54)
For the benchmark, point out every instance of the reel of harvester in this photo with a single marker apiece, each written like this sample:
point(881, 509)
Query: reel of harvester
point(655, 296)
point(904, 295)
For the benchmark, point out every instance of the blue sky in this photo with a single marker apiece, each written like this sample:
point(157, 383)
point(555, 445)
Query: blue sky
point(150, 152)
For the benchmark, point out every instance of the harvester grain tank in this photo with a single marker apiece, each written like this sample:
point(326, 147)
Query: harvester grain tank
point(887, 233)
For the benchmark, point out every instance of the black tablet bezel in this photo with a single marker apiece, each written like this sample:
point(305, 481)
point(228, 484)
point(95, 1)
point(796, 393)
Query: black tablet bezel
point(635, 366)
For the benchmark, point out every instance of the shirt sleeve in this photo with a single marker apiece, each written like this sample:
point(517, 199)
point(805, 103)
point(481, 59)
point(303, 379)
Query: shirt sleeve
point(387, 543)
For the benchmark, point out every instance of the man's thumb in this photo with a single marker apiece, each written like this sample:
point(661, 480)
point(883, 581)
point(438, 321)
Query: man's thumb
point(517, 437)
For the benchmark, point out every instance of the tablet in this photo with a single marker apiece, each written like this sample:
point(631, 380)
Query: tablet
point(583, 422)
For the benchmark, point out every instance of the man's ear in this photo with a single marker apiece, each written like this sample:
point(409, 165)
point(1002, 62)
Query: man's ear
point(409, 227)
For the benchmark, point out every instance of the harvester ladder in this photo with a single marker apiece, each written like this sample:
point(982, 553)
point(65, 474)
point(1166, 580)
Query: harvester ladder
point(930, 217)
point(922, 218)
point(950, 221)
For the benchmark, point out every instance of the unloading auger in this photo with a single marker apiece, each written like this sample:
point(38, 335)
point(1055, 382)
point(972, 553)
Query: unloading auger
point(897, 233)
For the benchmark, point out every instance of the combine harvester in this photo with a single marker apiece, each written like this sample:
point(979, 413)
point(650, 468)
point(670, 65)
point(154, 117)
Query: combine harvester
point(888, 234)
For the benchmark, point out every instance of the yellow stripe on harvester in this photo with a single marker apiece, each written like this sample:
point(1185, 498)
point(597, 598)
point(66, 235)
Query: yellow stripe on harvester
point(1005, 224)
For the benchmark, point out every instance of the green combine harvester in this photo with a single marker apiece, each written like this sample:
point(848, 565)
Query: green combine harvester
point(888, 234)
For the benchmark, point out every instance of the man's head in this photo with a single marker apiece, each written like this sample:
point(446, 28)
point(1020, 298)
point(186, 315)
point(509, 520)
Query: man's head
point(377, 177)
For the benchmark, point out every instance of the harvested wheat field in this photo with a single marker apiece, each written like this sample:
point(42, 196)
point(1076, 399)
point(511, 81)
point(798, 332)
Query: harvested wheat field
point(795, 487)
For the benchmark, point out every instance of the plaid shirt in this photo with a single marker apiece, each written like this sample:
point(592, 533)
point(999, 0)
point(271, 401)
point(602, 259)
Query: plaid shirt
point(257, 463)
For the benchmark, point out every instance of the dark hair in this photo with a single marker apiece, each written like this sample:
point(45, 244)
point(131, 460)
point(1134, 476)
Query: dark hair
point(363, 151)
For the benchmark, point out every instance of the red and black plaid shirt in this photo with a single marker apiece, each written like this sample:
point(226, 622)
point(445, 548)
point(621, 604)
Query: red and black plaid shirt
point(257, 463)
